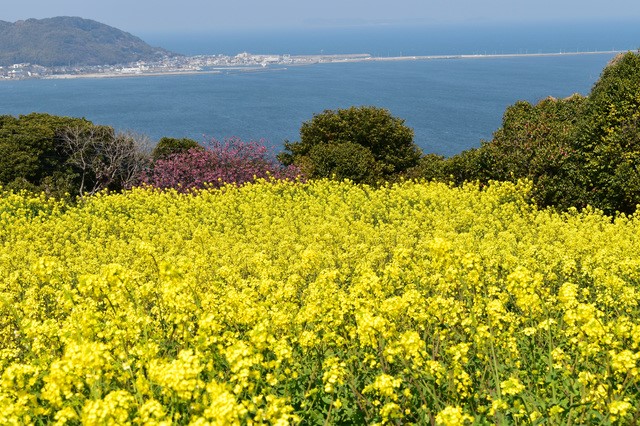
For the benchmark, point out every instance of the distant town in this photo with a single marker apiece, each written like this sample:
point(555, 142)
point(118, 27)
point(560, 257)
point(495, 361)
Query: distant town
point(219, 63)
point(171, 65)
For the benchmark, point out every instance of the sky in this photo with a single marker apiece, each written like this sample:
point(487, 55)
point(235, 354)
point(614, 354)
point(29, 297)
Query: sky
point(192, 16)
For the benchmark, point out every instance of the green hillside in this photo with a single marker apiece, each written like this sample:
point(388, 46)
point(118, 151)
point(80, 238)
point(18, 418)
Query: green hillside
point(71, 41)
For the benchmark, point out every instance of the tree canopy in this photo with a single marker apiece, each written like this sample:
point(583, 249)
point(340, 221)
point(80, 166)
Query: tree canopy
point(167, 146)
point(65, 156)
point(31, 152)
point(578, 152)
point(607, 144)
point(365, 144)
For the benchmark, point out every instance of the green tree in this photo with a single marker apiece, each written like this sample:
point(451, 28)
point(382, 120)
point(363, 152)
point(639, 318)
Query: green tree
point(63, 155)
point(534, 143)
point(608, 140)
point(577, 151)
point(346, 160)
point(167, 146)
point(386, 146)
point(31, 155)
point(429, 167)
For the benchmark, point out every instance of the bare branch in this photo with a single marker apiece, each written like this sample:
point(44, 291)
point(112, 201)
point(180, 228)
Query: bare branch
point(105, 159)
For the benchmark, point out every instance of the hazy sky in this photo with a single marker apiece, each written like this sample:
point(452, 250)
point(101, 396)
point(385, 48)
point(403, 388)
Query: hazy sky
point(145, 16)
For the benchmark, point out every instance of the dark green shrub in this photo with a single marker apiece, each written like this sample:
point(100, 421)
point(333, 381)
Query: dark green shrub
point(429, 167)
point(607, 144)
point(534, 143)
point(341, 161)
point(388, 140)
point(577, 151)
point(63, 156)
point(32, 155)
point(167, 146)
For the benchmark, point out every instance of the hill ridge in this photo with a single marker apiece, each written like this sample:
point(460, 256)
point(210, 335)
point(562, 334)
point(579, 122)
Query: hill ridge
point(71, 41)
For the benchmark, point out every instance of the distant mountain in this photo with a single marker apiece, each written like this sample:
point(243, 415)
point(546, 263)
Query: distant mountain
point(71, 41)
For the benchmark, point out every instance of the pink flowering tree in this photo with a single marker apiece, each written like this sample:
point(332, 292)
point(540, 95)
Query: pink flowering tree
point(230, 162)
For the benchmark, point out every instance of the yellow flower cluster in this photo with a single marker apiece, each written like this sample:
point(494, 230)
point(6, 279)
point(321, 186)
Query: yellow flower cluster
point(317, 303)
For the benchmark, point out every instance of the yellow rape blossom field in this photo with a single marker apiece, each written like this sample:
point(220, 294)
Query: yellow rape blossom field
point(317, 303)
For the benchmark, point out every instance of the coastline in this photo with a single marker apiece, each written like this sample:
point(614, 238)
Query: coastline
point(305, 60)
point(498, 55)
point(122, 75)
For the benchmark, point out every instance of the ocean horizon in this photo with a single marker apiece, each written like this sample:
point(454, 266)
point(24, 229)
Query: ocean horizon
point(452, 105)
point(388, 40)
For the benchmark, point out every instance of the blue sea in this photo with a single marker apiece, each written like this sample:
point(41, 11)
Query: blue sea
point(451, 104)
